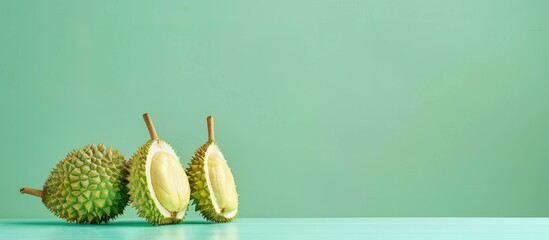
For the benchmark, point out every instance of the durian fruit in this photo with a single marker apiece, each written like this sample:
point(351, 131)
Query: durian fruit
point(212, 183)
point(88, 186)
point(159, 187)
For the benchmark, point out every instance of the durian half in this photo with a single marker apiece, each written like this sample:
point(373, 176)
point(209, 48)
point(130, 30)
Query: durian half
point(158, 186)
point(212, 183)
point(87, 186)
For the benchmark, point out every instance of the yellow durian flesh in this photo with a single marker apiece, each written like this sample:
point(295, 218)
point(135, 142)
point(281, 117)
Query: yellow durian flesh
point(169, 182)
point(221, 181)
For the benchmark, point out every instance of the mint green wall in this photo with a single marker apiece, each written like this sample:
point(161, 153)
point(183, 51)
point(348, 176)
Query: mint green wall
point(323, 108)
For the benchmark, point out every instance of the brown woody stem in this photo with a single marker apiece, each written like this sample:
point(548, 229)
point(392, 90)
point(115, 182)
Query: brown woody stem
point(150, 126)
point(31, 191)
point(210, 121)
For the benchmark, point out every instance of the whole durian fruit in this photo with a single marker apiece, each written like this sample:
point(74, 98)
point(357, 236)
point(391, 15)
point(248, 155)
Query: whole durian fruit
point(158, 186)
point(88, 186)
point(212, 183)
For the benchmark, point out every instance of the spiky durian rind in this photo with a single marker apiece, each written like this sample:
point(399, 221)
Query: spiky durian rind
point(88, 185)
point(200, 193)
point(140, 195)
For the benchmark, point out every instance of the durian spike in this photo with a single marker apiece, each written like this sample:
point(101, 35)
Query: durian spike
point(31, 191)
point(210, 121)
point(150, 126)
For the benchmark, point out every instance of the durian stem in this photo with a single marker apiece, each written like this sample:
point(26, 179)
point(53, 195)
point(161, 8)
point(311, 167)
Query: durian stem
point(150, 126)
point(210, 121)
point(31, 191)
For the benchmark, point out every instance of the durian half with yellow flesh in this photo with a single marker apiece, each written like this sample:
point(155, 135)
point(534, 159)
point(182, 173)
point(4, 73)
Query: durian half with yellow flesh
point(158, 186)
point(212, 183)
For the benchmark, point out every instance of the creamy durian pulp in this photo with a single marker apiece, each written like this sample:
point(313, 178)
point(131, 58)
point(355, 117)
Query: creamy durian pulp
point(167, 180)
point(220, 182)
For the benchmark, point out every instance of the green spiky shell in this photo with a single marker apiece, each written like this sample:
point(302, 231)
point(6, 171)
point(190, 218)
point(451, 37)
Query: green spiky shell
point(140, 196)
point(200, 193)
point(88, 186)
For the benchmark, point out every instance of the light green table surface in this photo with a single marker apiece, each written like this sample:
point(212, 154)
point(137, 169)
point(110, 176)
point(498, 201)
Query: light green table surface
point(288, 228)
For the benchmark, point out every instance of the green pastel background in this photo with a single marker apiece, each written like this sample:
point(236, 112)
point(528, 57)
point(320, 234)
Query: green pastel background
point(323, 108)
